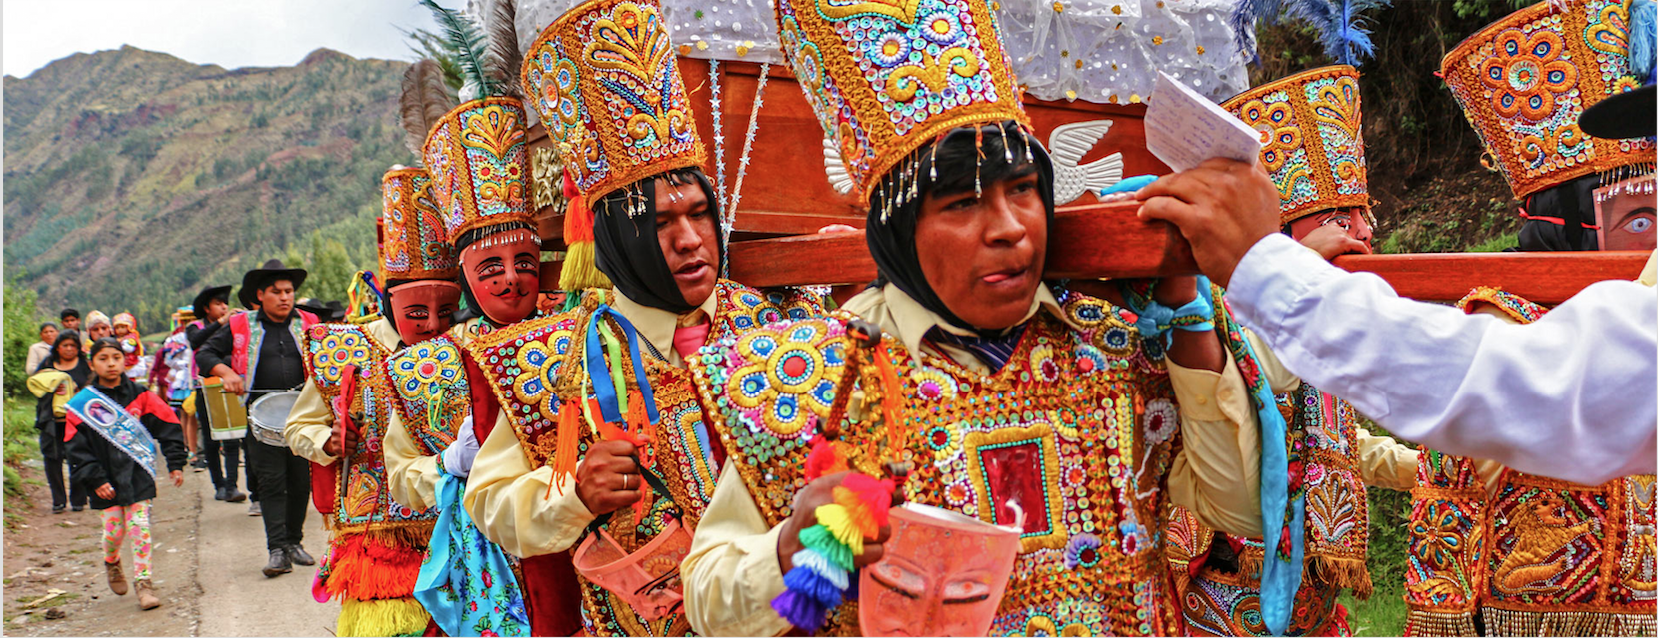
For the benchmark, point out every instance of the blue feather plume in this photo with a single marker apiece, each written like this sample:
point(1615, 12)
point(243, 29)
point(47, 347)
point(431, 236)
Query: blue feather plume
point(1340, 27)
point(1643, 31)
point(1248, 15)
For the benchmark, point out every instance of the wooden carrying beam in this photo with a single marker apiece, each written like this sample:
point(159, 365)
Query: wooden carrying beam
point(1109, 241)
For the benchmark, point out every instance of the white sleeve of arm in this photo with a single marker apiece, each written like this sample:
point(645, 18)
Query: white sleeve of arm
point(1570, 396)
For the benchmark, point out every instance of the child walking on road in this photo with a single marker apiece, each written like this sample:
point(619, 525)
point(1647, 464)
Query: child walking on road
point(114, 431)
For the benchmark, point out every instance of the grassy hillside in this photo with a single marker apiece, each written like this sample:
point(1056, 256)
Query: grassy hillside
point(133, 178)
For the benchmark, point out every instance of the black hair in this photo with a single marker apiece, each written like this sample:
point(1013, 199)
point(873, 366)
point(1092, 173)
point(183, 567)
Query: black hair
point(46, 325)
point(103, 344)
point(69, 312)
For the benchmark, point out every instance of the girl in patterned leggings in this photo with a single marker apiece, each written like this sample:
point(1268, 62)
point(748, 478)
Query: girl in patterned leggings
point(115, 430)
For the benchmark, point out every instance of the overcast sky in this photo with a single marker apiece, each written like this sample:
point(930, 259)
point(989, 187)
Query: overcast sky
point(229, 33)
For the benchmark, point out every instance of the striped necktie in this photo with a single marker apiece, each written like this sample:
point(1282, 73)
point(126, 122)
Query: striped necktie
point(994, 352)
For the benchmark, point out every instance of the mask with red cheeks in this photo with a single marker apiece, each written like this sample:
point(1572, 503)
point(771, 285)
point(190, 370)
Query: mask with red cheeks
point(424, 309)
point(1354, 220)
point(504, 273)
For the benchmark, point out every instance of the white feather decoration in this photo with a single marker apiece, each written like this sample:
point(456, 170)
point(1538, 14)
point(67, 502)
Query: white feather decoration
point(835, 168)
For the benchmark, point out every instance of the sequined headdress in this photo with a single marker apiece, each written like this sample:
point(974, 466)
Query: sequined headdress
point(1311, 141)
point(605, 81)
point(479, 166)
point(887, 77)
point(413, 244)
point(1524, 80)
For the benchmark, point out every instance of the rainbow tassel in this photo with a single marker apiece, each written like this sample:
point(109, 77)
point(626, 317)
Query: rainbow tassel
point(822, 576)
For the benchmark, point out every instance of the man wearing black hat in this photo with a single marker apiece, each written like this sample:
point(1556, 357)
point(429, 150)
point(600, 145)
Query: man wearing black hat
point(255, 354)
point(212, 309)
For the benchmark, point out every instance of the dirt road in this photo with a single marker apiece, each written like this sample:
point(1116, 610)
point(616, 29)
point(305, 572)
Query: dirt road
point(206, 561)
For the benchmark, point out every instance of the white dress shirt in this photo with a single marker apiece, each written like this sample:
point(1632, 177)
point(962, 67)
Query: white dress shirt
point(1570, 396)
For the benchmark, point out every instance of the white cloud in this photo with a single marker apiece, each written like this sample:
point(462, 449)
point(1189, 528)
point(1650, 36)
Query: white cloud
point(229, 33)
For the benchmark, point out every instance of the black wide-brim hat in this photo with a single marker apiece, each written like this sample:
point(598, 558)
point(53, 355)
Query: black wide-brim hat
point(1625, 115)
point(206, 297)
point(263, 276)
point(332, 311)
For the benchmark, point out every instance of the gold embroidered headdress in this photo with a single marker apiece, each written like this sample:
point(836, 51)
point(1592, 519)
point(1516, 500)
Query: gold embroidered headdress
point(886, 77)
point(1524, 80)
point(413, 244)
point(605, 82)
point(1311, 143)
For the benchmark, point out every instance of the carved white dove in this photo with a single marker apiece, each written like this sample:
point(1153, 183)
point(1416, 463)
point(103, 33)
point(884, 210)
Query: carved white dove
point(1066, 146)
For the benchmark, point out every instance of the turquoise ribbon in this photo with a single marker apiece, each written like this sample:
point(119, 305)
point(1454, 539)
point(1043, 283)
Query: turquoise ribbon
point(1280, 579)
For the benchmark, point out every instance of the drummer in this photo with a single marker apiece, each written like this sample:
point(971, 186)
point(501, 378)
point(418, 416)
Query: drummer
point(268, 360)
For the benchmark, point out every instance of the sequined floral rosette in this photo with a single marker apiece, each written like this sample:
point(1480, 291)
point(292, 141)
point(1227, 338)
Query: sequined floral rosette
point(1311, 142)
point(413, 244)
point(604, 79)
point(886, 78)
point(1524, 80)
point(479, 165)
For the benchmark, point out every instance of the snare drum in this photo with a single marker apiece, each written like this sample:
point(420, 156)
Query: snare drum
point(269, 415)
point(227, 418)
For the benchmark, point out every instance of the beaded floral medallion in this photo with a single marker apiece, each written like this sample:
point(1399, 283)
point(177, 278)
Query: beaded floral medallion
point(479, 166)
point(1524, 80)
point(1078, 429)
point(529, 366)
point(430, 392)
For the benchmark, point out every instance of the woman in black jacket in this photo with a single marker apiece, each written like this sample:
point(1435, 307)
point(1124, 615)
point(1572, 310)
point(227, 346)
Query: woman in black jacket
point(109, 461)
point(48, 382)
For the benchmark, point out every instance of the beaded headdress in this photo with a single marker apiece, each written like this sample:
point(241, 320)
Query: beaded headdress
point(1524, 80)
point(887, 77)
point(1311, 143)
point(413, 244)
point(606, 83)
point(479, 166)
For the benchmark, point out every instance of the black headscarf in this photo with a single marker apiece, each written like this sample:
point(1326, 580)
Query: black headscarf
point(1572, 203)
point(626, 246)
point(957, 157)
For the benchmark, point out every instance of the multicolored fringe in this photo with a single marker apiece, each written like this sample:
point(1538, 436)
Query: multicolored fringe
point(375, 565)
point(395, 617)
point(824, 571)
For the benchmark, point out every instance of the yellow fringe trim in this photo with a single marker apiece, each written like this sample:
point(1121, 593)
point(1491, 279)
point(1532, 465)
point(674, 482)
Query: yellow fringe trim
point(396, 617)
point(1509, 622)
point(580, 270)
point(1422, 622)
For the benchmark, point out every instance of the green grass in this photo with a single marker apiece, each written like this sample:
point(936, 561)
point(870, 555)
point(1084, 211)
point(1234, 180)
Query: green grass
point(1497, 244)
point(21, 443)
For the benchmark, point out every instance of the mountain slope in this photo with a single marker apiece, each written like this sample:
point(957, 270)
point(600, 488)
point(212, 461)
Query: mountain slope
point(134, 178)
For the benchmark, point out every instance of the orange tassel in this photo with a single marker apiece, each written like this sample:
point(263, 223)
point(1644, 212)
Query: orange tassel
point(363, 567)
point(858, 511)
point(578, 218)
point(564, 450)
point(823, 459)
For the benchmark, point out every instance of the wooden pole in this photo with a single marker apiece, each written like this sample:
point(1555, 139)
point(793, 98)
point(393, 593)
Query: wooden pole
point(1108, 241)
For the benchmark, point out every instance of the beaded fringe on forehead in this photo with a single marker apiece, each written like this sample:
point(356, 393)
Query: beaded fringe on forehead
point(903, 185)
point(1620, 174)
point(498, 234)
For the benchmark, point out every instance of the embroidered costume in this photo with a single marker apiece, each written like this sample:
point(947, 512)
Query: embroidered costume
point(605, 82)
point(1523, 554)
point(1314, 152)
point(1068, 420)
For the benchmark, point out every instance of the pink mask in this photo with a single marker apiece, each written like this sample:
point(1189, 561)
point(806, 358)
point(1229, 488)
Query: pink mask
point(943, 575)
point(504, 273)
point(424, 309)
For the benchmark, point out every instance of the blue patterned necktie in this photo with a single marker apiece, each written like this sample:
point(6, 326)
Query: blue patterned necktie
point(994, 352)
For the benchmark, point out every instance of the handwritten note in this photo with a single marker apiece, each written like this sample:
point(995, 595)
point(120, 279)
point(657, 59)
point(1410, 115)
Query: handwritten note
point(1183, 128)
